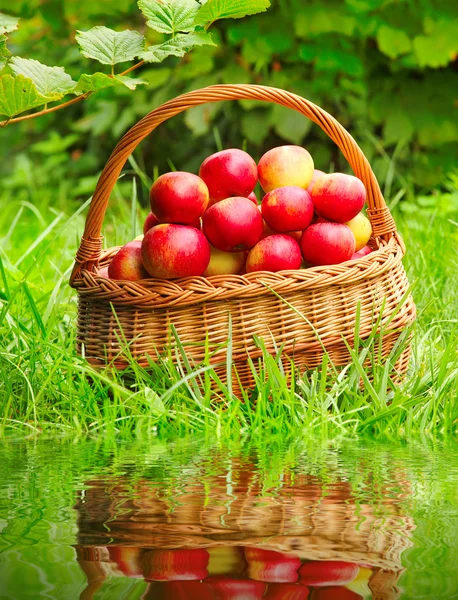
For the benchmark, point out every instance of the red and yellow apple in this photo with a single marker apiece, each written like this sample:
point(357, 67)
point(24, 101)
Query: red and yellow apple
point(226, 560)
point(175, 565)
point(224, 263)
point(227, 588)
point(338, 197)
point(288, 208)
point(127, 263)
point(150, 222)
point(316, 175)
point(285, 165)
point(170, 251)
point(128, 560)
point(327, 244)
point(286, 591)
point(270, 566)
point(179, 197)
point(103, 272)
point(253, 198)
point(233, 224)
point(361, 253)
point(229, 173)
point(277, 252)
point(321, 573)
point(361, 228)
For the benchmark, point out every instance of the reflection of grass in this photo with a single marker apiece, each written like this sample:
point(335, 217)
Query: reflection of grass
point(45, 385)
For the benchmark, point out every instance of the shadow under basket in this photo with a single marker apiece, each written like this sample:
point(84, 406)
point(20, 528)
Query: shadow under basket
point(301, 313)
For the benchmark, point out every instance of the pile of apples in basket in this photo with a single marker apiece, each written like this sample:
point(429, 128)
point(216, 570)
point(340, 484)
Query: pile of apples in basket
point(212, 224)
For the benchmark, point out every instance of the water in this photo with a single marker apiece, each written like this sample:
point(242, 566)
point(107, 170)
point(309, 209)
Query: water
point(192, 520)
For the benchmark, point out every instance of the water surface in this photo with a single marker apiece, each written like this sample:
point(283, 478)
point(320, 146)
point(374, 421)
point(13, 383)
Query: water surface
point(336, 521)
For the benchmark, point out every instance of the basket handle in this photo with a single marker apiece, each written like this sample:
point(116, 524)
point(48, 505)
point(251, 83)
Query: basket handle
point(88, 254)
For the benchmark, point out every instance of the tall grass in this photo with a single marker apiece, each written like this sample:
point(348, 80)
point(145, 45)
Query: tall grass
point(44, 385)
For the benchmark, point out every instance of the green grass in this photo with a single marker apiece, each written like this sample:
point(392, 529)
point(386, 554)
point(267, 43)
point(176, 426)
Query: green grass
point(45, 386)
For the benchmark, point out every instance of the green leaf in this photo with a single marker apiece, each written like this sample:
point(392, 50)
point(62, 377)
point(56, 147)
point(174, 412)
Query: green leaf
point(8, 23)
point(99, 81)
point(170, 16)
point(110, 47)
point(255, 125)
point(4, 52)
point(49, 81)
point(229, 9)
point(398, 126)
point(393, 42)
point(177, 46)
point(18, 94)
point(199, 118)
point(289, 124)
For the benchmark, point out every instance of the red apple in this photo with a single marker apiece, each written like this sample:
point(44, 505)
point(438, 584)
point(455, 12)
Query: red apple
point(175, 565)
point(150, 222)
point(127, 263)
point(285, 165)
point(229, 173)
point(361, 228)
point(316, 175)
point(233, 224)
point(320, 573)
point(327, 244)
point(361, 253)
point(335, 593)
point(287, 208)
point(338, 197)
point(226, 560)
point(274, 253)
point(178, 590)
point(179, 197)
point(224, 263)
point(103, 272)
point(270, 566)
point(170, 251)
point(127, 559)
point(253, 198)
point(286, 591)
point(226, 588)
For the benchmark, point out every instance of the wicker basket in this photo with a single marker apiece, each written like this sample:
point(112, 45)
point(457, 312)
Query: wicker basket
point(317, 308)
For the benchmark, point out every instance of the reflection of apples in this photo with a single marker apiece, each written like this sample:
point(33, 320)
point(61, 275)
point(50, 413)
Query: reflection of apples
point(286, 591)
point(361, 253)
point(335, 593)
point(274, 253)
point(127, 559)
point(327, 244)
point(224, 263)
point(175, 565)
point(233, 224)
point(360, 585)
point(170, 251)
point(361, 228)
point(316, 175)
point(326, 573)
point(287, 208)
point(178, 590)
point(285, 165)
point(179, 197)
point(226, 560)
point(229, 173)
point(226, 588)
point(338, 197)
point(127, 263)
point(270, 566)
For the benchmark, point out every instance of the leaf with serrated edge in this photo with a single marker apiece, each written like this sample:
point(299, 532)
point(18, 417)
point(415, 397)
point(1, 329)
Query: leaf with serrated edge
point(18, 94)
point(177, 46)
point(110, 47)
point(99, 81)
point(8, 23)
point(170, 16)
point(4, 52)
point(229, 9)
point(49, 81)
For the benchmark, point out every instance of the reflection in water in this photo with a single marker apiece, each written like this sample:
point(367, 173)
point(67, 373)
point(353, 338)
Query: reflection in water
point(235, 535)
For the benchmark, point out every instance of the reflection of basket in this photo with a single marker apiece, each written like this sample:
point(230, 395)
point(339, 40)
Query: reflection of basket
point(199, 308)
point(306, 520)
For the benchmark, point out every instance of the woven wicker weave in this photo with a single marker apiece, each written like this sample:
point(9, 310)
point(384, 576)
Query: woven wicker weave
point(317, 307)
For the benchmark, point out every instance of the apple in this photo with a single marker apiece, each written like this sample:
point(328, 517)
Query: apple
point(179, 197)
point(316, 175)
point(285, 165)
point(224, 263)
point(267, 230)
point(227, 588)
point(253, 198)
point(320, 573)
point(229, 173)
point(150, 222)
point(274, 253)
point(170, 251)
point(139, 238)
point(287, 208)
point(327, 244)
point(360, 585)
point(335, 593)
point(175, 565)
point(338, 197)
point(127, 264)
point(361, 228)
point(127, 559)
point(103, 272)
point(286, 591)
point(233, 224)
point(226, 560)
point(361, 253)
point(178, 590)
point(270, 566)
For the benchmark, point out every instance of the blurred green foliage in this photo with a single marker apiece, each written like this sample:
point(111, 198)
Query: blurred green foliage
point(387, 69)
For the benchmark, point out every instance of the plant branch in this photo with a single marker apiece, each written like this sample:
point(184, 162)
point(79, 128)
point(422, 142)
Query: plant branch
point(64, 104)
